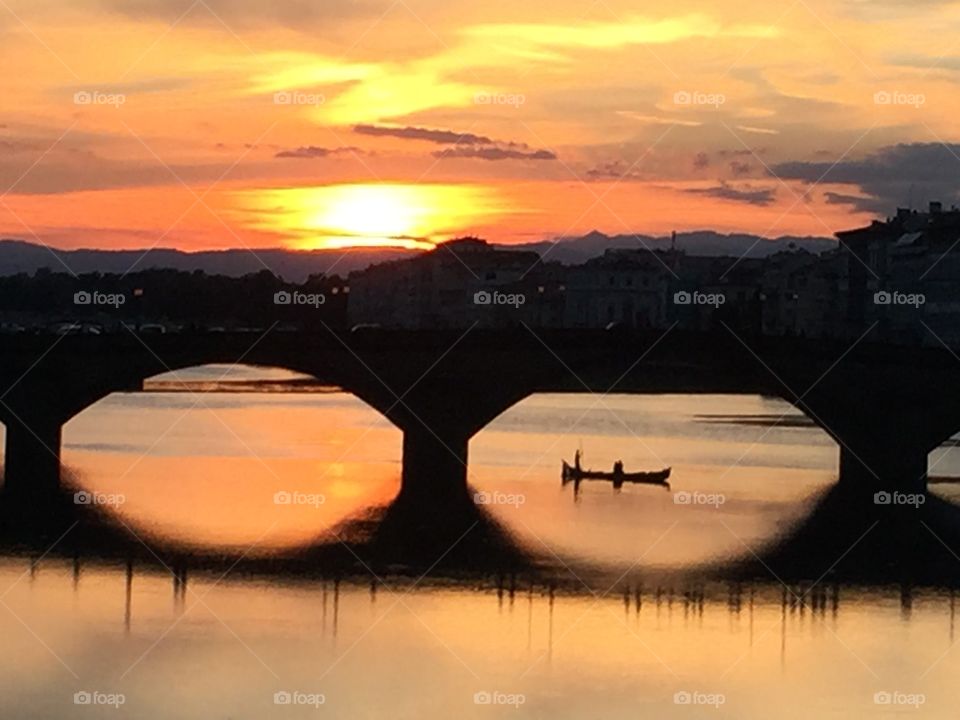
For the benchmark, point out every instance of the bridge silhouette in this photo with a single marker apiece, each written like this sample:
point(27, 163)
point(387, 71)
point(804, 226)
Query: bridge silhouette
point(886, 407)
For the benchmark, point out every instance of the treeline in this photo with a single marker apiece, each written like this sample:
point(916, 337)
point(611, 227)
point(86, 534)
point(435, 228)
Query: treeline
point(171, 296)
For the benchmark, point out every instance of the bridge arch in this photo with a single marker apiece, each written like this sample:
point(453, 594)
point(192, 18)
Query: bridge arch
point(76, 373)
point(726, 445)
point(943, 465)
point(215, 437)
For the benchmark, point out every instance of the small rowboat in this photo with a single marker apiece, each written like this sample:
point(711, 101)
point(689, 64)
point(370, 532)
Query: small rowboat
point(570, 473)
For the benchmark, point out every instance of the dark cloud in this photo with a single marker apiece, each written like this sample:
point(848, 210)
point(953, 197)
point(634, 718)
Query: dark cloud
point(494, 153)
point(310, 152)
point(701, 161)
point(834, 198)
point(748, 195)
point(615, 170)
point(466, 145)
point(739, 168)
point(894, 175)
point(441, 137)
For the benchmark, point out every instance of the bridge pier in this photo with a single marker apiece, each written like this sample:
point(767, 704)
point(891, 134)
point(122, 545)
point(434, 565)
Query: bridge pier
point(31, 475)
point(884, 466)
point(434, 467)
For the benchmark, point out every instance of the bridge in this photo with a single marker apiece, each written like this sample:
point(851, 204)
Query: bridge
point(886, 407)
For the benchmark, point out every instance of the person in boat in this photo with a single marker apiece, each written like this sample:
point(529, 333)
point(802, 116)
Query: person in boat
point(576, 460)
point(618, 467)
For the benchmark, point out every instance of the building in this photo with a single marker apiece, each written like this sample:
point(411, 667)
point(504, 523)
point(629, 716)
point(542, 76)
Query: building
point(903, 277)
point(800, 292)
point(459, 284)
point(622, 287)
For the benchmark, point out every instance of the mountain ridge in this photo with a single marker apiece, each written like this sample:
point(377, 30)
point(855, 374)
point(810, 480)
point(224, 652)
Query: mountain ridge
point(19, 256)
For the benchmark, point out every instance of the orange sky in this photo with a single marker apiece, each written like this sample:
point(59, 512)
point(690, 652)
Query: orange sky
point(239, 123)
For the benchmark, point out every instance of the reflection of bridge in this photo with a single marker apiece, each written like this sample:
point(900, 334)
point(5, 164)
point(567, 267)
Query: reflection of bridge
point(885, 407)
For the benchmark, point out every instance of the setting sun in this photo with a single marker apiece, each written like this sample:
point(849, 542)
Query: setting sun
point(396, 215)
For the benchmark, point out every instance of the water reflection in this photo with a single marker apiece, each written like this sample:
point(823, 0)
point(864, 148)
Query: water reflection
point(214, 646)
point(301, 479)
point(205, 474)
point(201, 596)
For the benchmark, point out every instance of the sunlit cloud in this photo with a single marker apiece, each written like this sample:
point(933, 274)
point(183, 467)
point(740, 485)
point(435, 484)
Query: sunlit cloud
point(758, 130)
point(294, 71)
point(614, 34)
point(657, 120)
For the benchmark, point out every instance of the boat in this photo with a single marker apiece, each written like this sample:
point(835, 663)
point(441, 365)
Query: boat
point(575, 474)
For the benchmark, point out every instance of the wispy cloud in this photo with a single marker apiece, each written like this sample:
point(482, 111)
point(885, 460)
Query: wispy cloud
point(494, 153)
point(466, 145)
point(442, 137)
point(748, 195)
point(309, 152)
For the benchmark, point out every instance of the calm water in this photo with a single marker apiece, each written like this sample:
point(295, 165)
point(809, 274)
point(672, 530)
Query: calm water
point(205, 470)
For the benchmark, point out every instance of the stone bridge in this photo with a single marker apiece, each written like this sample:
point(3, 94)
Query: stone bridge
point(886, 408)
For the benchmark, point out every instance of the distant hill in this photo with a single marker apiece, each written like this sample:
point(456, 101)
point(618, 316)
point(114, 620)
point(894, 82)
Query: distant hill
point(17, 256)
point(292, 265)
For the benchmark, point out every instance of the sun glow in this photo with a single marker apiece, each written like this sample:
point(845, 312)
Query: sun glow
point(394, 215)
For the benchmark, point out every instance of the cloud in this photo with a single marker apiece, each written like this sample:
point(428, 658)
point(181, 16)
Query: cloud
point(924, 62)
point(494, 153)
point(742, 152)
point(657, 119)
point(615, 170)
point(441, 137)
point(138, 87)
point(891, 176)
point(614, 34)
point(751, 196)
point(309, 152)
point(758, 130)
point(465, 145)
point(295, 14)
